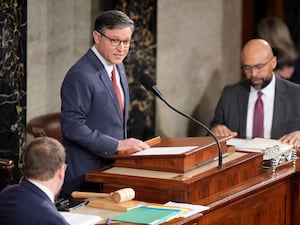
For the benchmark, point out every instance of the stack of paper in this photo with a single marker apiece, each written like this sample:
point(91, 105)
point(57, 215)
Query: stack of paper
point(80, 219)
point(165, 150)
point(274, 152)
point(257, 144)
point(192, 209)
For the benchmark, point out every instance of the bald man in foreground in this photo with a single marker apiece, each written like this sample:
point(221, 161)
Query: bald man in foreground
point(234, 114)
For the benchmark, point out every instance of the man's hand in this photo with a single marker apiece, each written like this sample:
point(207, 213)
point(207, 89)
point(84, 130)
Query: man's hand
point(291, 138)
point(222, 130)
point(131, 145)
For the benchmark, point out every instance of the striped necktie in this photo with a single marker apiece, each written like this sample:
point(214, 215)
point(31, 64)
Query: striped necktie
point(117, 89)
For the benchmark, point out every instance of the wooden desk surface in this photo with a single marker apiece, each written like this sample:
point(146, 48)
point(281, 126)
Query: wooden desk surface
point(103, 213)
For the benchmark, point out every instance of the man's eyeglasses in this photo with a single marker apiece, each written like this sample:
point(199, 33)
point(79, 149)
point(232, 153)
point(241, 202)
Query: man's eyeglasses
point(258, 67)
point(116, 42)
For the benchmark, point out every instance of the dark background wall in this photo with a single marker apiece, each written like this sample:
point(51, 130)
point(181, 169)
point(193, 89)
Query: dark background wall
point(255, 10)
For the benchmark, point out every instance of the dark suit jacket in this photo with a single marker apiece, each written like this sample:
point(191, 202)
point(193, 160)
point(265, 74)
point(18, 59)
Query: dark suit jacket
point(90, 117)
point(26, 204)
point(232, 107)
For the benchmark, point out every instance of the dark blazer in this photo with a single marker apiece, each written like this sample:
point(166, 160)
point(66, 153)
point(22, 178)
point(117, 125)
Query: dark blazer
point(91, 119)
point(232, 107)
point(26, 204)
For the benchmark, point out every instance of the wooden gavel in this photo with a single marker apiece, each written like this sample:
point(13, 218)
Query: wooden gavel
point(122, 195)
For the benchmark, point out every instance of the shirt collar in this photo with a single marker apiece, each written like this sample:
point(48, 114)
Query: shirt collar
point(44, 189)
point(107, 65)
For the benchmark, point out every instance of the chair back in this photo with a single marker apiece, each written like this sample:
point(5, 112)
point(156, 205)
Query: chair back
point(46, 125)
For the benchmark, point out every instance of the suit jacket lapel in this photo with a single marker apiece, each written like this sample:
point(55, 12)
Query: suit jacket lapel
point(243, 108)
point(110, 89)
point(104, 77)
point(279, 105)
point(36, 190)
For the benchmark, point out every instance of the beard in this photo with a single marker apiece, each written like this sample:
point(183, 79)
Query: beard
point(260, 86)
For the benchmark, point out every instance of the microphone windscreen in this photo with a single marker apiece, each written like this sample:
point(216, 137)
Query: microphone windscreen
point(147, 82)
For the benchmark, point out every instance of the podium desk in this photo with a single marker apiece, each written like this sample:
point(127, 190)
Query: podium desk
point(241, 192)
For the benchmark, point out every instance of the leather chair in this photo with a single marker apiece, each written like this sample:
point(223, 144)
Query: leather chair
point(46, 125)
point(6, 172)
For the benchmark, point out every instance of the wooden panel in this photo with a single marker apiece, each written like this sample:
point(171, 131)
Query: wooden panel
point(248, 21)
point(263, 200)
point(275, 8)
point(190, 189)
point(296, 196)
point(270, 206)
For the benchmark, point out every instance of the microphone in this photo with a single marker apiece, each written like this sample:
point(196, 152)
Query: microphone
point(150, 85)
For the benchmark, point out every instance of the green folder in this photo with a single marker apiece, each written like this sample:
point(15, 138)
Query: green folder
point(147, 215)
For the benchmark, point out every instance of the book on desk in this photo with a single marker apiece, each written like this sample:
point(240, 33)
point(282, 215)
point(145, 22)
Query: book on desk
point(151, 215)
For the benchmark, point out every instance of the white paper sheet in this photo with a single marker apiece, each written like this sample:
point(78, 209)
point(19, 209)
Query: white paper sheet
point(166, 150)
point(194, 208)
point(237, 142)
point(257, 144)
point(80, 219)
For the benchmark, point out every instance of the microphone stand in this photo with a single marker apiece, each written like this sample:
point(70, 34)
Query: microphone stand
point(220, 158)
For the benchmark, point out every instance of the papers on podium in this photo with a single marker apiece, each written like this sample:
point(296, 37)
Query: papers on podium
point(80, 219)
point(155, 214)
point(165, 150)
point(193, 209)
point(274, 152)
point(257, 144)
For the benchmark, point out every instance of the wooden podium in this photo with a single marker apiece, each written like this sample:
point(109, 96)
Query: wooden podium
point(188, 177)
point(241, 192)
point(203, 151)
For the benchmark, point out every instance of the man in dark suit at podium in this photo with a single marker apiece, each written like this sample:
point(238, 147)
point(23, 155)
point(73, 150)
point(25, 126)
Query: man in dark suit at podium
point(234, 114)
point(32, 201)
point(95, 103)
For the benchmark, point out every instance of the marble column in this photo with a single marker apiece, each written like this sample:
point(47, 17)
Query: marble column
point(12, 79)
point(141, 60)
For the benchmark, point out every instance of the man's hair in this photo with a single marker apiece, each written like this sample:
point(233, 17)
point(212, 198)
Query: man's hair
point(277, 34)
point(42, 158)
point(283, 59)
point(113, 19)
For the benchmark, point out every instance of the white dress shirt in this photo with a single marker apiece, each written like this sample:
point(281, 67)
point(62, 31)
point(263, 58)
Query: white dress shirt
point(268, 100)
point(44, 189)
point(109, 67)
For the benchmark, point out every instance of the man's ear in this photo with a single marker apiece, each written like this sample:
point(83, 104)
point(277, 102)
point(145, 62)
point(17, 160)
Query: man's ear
point(61, 171)
point(96, 37)
point(274, 62)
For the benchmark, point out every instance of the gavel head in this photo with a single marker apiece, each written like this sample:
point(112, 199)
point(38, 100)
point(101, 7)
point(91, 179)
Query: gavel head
point(123, 195)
